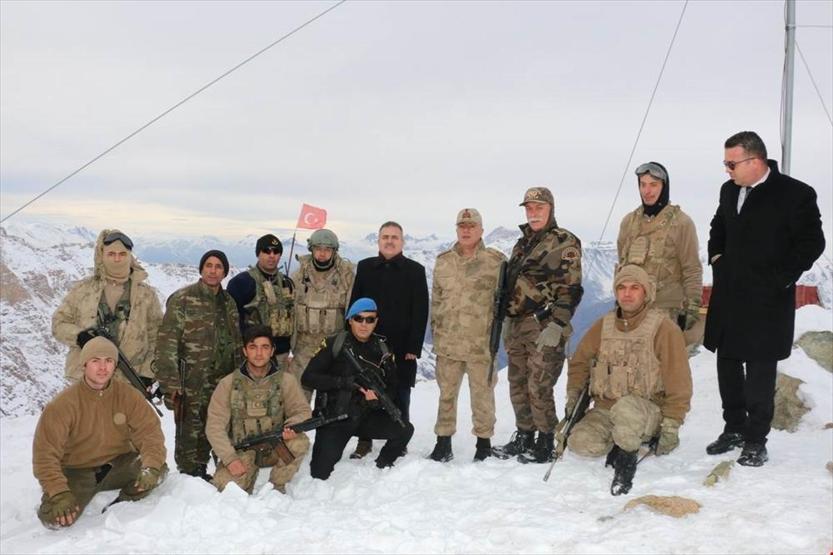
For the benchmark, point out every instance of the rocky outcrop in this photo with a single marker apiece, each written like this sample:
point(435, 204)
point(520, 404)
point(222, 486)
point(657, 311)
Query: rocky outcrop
point(789, 408)
point(819, 346)
point(673, 505)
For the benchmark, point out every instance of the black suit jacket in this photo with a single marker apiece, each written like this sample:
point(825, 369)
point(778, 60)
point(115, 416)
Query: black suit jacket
point(764, 250)
point(400, 290)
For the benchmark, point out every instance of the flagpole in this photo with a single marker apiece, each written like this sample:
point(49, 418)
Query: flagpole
point(291, 249)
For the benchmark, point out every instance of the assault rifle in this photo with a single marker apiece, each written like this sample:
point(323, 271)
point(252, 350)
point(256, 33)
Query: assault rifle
point(567, 427)
point(274, 440)
point(369, 378)
point(125, 366)
point(500, 302)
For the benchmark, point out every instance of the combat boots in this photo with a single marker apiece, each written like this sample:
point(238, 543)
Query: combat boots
point(725, 442)
point(753, 454)
point(483, 449)
point(611, 456)
point(363, 447)
point(442, 450)
point(520, 442)
point(199, 471)
point(624, 467)
point(542, 452)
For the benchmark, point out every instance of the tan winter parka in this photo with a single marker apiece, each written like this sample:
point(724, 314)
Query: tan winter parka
point(79, 311)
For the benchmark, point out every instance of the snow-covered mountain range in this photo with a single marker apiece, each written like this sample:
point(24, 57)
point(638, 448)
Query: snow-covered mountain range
point(40, 262)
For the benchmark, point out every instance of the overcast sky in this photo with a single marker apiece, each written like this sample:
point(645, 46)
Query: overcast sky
point(392, 110)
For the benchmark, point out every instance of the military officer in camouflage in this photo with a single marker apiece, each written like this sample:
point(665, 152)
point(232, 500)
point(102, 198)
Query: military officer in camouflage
point(462, 307)
point(199, 343)
point(635, 361)
point(264, 296)
point(662, 239)
point(323, 285)
point(544, 288)
point(257, 398)
point(117, 299)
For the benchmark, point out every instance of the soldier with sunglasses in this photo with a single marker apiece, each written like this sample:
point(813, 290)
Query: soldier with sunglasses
point(661, 239)
point(115, 301)
point(341, 390)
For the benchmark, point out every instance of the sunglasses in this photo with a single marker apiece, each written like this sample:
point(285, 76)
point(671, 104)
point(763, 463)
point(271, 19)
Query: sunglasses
point(730, 165)
point(359, 319)
point(271, 250)
point(118, 236)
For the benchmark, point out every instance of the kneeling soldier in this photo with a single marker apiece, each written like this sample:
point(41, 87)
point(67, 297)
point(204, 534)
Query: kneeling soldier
point(354, 374)
point(636, 362)
point(257, 398)
point(98, 434)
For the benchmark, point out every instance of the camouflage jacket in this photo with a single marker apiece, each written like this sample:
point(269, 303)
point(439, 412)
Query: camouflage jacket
point(462, 302)
point(546, 269)
point(200, 332)
point(137, 327)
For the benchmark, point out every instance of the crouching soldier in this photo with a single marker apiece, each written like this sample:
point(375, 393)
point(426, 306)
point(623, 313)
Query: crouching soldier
point(354, 374)
point(636, 362)
point(257, 398)
point(98, 434)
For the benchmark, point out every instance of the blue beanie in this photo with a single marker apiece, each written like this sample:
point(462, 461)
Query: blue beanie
point(364, 304)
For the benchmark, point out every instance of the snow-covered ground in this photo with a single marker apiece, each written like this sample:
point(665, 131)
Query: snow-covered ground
point(420, 506)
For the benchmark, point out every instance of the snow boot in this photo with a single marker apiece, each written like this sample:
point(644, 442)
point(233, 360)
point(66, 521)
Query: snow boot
point(363, 447)
point(520, 442)
point(483, 449)
point(542, 452)
point(725, 442)
point(442, 450)
point(753, 454)
point(611, 456)
point(624, 470)
point(199, 471)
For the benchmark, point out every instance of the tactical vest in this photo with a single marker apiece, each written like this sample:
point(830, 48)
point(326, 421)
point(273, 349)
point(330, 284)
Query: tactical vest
point(272, 305)
point(645, 246)
point(256, 408)
point(321, 302)
point(114, 320)
point(626, 363)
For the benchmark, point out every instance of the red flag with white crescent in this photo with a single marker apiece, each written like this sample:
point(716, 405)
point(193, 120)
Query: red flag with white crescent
point(312, 217)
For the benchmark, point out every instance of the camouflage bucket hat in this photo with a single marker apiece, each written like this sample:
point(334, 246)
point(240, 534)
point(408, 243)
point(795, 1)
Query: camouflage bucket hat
point(540, 195)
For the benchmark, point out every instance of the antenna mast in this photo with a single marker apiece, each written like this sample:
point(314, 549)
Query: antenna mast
point(789, 74)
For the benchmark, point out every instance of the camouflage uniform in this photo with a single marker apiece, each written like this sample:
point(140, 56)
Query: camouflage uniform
point(321, 299)
point(243, 406)
point(666, 246)
point(639, 375)
point(199, 333)
point(546, 270)
point(462, 306)
point(133, 324)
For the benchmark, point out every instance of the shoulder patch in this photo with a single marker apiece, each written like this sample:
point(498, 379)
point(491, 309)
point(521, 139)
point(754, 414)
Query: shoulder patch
point(570, 253)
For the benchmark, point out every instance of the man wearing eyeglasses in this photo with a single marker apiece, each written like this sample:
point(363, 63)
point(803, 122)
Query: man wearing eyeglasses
point(765, 233)
point(340, 390)
point(659, 237)
point(265, 296)
point(115, 301)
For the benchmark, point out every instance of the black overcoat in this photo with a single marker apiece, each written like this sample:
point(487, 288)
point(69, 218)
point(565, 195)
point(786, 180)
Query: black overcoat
point(400, 290)
point(764, 250)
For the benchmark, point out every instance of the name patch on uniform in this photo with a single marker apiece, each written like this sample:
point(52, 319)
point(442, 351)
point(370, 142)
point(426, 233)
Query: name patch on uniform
point(570, 253)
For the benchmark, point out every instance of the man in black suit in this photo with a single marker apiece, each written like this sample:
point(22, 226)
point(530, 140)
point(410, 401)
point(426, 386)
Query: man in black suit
point(398, 286)
point(765, 233)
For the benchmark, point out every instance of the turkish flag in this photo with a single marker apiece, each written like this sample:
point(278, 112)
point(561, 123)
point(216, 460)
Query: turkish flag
point(312, 217)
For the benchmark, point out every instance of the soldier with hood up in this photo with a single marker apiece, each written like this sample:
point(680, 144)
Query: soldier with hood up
point(635, 361)
point(662, 239)
point(116, 298)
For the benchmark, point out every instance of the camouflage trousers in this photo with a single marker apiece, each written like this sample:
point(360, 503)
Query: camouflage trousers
point(532, 375)
point(85, 483)
point(629, 423)
point(449, 377)
point(305, 347)
point(191, 446)
point(280, 474)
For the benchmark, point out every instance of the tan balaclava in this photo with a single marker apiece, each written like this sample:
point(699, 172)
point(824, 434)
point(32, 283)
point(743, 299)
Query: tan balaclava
point(117, 271)
point(632, 272)
point(99, 347)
